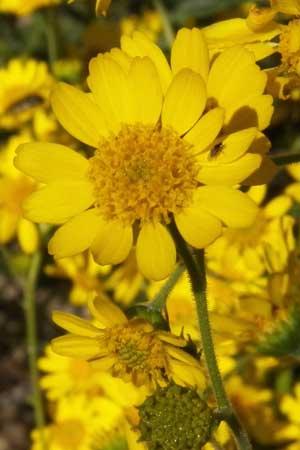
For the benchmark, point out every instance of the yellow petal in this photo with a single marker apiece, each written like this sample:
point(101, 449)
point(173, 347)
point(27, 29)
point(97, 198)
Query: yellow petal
point(286, 6)
point(106, 313)
point(79, 347)
point(58, 201)
point(78, 114)
point(48, 162)
point(257, 113)
point(229, 149)
point(294, 171)
point(8, 225)
point(103, 364)
point(198, 227)
point(228, 33)
point(234, 76)
point(278, 206)
point(190, 51)
point(28, 236)
point(146, 90)
point(185, 101)
point(257, 193)
point(112, 243)
point(155, 252)
point(74, 324)
point(110, 87)
point(206, 129)
point(294, 191)
point(140, 45)
point(231, 173)
point(121, 58)
point(231, 206)
point(75, 236)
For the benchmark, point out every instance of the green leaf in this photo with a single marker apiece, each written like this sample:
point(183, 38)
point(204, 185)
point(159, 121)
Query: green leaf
point(285, 339)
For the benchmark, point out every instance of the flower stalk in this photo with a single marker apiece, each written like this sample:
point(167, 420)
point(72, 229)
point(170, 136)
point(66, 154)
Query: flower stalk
point(29, 301)
point(167, 26)
point(197, 274)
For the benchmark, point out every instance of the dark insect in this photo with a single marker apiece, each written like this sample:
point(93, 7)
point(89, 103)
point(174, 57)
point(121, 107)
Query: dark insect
point(26, 103)
point(216, 150)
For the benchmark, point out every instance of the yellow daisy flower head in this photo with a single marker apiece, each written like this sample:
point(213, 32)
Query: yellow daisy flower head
point(239, 255)
point(126, 281)
point(291, 7)
point(64, 376)
point(130, 349)
point(78, 423)
point(25, 87)
point(171, 142)
point(14, 188)
point(22, 8)
point(149, 23)
point(84, 274)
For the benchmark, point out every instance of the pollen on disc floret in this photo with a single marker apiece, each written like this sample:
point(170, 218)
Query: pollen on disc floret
point(144, 173)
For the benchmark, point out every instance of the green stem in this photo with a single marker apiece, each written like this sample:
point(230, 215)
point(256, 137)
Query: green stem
point(160, 298)
point(197, 275)
point(168, 29)
point(31, 338)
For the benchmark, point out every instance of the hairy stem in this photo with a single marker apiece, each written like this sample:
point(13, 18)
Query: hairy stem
point(197, 274)
point(160, 298)
point(32, 342)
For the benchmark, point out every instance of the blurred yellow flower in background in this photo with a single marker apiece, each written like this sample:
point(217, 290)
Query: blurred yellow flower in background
point(80, 423)
point(84, 274)
point(22, 8)
point(14, 188)
point(189, 171)
point(25, 87)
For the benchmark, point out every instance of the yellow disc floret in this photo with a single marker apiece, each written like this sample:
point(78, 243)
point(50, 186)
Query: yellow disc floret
point(289, 46)
point(137, 348)
point(144, 173)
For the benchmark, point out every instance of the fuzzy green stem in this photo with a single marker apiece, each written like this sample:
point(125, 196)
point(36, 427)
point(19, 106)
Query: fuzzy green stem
point(160, 298)
point(167, 26)
point(29, 302)
point(197, 273)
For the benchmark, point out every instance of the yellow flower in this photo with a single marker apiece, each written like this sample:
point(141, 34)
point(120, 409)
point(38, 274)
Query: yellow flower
point(22, 8)
point(286, 6)
point(25, 86)
point(239, 255)
point(130, 349)
point(80, 423)
point(126, 281)
point(84, 274)
point(149, 23)
point(170, 142)
point(64, 376)
point(14, 188)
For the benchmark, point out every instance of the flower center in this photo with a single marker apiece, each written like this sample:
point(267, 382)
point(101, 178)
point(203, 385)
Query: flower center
point(136, 347)
point(289, 46)
point(144, 173)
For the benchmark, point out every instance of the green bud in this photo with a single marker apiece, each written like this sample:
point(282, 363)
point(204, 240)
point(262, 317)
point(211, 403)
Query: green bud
point(175, 418)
